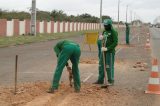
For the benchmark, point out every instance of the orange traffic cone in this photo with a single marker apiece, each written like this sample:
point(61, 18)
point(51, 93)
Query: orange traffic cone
point(148, 45)
point(154, 80)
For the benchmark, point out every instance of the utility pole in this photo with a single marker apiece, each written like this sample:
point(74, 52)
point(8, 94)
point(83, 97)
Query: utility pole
point(126, 13)
point(33, 18)
point(131, 16)
point(100, 16)
point(118, 13)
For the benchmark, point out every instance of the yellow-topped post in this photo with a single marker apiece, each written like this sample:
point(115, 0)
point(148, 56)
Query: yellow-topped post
point(91, 38)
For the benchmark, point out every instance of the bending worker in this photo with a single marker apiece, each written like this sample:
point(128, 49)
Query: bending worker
point(127, 33)
point(66, 50)
point(110, 39)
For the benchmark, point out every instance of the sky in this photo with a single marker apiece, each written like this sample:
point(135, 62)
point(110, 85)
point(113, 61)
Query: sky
point(145, 10)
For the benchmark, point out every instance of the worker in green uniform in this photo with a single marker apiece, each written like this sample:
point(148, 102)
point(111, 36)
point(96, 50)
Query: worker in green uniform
point(66, 50)
point(127, 33)
point(110, 39)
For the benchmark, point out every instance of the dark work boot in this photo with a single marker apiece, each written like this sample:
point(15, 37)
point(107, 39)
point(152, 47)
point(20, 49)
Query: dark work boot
point(97, 82)
point(51, 90)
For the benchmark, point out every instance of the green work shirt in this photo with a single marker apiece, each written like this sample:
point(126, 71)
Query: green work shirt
point(111, 40)
point(59, 46)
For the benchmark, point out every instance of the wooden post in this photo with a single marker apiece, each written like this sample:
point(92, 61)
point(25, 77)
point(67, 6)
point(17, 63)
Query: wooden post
point(16, 61)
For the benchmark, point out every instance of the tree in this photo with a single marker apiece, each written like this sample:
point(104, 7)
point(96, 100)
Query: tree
point(43, 15)
point(105, 17)
point(1, 13)
point(58, 15)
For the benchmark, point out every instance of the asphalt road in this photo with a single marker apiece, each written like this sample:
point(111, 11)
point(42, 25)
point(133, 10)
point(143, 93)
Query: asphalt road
point(155, 42)
point(37, 61)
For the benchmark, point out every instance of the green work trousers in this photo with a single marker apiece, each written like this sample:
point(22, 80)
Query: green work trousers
point(72, 52)
point(109, 61)
point(127, 36)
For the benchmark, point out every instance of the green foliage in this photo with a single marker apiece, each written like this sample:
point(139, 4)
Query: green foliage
point(43, 15)
point(56, 15)
point(105, 17)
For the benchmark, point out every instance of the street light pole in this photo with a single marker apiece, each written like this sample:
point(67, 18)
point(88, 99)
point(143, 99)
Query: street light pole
point(131, 16)
point(33, 18)
point(126, 13)
point(100, 15)
point(118, 13)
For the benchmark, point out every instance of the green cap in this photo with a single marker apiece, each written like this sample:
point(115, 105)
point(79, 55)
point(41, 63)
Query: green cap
point(107, 22)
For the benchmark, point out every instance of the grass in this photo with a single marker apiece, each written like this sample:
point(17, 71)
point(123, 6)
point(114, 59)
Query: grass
point(19, 40)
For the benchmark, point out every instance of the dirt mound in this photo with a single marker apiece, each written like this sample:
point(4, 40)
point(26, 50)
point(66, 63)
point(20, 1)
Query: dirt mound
point(33, 94)
point(141, 66)
point(25, 93)
point(90, 95)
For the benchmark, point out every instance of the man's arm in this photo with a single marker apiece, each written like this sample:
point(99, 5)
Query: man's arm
point(115, 41)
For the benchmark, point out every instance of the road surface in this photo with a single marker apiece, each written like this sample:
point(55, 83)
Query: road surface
point(155, 42)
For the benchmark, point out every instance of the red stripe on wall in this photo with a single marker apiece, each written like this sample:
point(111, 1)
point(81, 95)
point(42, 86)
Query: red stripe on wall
point(3, 27)
point(76, 26)
point(45, 26)
point(37, 26)
point(52, 26)
point(64, 24)
point(72, 26)
point(68, 26)
point(27, 26)
point(16, 27)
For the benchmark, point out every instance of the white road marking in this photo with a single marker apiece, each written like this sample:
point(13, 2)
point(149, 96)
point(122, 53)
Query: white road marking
point(88, 77)
point(118, 50)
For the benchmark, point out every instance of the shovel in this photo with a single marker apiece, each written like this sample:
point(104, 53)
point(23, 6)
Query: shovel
point(70, 75)
point(104, 66)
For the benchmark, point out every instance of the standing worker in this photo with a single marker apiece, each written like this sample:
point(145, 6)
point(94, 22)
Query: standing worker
point(66, 50)
point(127, 33)
point(110, 38)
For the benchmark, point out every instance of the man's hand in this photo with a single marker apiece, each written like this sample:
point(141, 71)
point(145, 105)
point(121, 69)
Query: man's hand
point(101, 37)
point(103, 49)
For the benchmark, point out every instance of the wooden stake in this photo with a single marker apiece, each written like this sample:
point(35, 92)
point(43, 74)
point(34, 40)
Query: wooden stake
point(16, 65)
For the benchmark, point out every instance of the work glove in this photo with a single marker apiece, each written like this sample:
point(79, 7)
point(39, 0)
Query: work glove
point(101, 37)
point(103, 49)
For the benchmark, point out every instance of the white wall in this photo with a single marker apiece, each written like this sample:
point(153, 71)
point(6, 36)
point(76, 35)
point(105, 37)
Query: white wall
point(82, 27)
point(55, 27)
point(22, 27)
point(78, 26)
point(66, 27)
point(41, 26)
point(48, 27)
point(89, 26)
point(85, 26)
point(61, 27)
point(94, 26)
point(10, 25)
